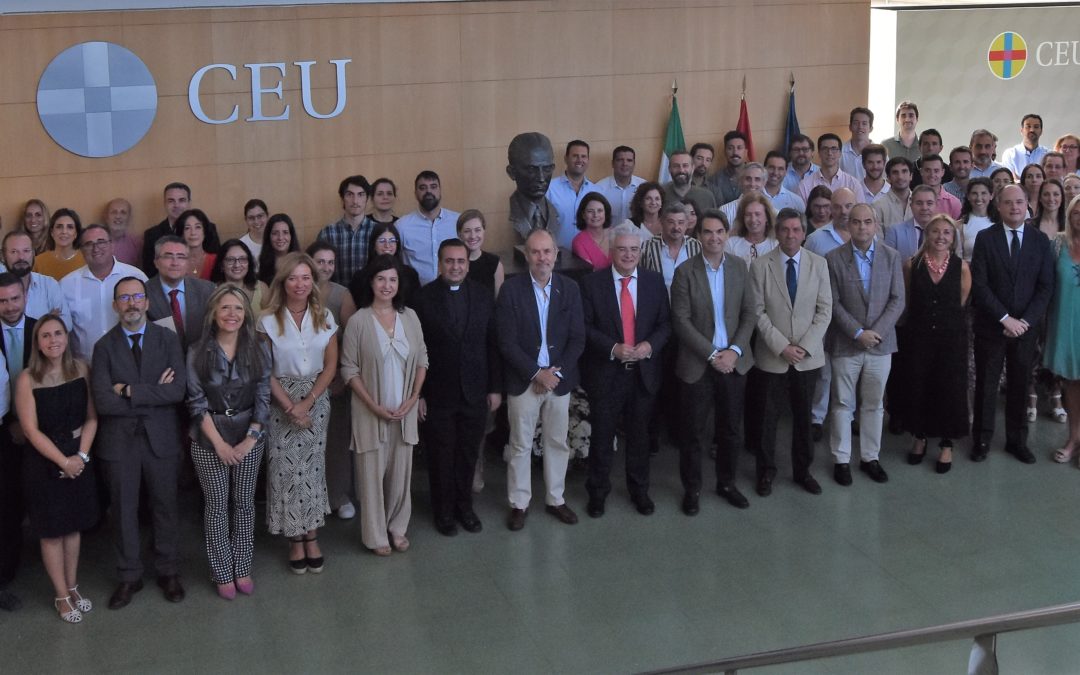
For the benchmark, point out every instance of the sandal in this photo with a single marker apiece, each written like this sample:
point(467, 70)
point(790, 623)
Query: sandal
point(913, 457)
point(1062, 455)
point(1057, 413)
point(313, 564)
point(1032, 410)
point(73, 615)
point(81, 603)
point(400, 544)
point(298, 565)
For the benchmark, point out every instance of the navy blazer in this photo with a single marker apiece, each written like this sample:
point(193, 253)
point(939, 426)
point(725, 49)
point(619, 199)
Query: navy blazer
point(460, 367)
point(518, 323)
point(603, 327)
point(998, 287)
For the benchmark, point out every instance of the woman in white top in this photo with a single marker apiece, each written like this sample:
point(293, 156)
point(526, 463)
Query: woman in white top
point(384, 362)
point(752, 231)
point(977, 214)
point(301, 332)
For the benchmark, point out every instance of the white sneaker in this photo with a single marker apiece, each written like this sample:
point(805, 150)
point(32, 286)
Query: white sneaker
point(347, 511)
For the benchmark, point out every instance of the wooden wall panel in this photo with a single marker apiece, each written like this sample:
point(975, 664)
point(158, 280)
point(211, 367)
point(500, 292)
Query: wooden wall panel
point(443, 86)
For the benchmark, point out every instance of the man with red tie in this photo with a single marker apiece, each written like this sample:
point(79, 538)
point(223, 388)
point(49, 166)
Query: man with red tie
point(172, 294)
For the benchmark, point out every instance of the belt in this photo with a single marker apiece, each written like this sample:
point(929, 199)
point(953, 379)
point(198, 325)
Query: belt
point(630, 365)
point(231, 412)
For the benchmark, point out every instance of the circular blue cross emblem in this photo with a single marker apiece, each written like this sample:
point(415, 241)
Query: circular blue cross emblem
point(97, 99)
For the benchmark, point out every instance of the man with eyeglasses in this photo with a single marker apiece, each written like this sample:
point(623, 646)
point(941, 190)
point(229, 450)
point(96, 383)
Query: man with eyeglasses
point(173, 295)
point(801, 164)
point(88, 290)
point(830, 174)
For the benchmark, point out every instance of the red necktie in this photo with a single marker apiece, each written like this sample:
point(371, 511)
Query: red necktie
point(626, 309)
point(177, 315)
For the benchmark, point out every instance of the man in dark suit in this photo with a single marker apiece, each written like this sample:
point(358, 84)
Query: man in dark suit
point(463, 383)
point(18, 331)
point(541, 335)
point(1012, 279)
point(177, 197)
point(138, 378)
point(867, 284)
point(171, 293)
point(710, 312)
point(626, 322)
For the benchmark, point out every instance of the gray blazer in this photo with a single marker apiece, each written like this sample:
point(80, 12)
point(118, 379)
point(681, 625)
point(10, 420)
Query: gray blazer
point(151, 404)
point(904, 238)
point(854, 309)
point(692, 315)
point(196, 293)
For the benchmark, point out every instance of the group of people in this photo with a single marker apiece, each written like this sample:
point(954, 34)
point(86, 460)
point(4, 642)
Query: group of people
point(699, 305)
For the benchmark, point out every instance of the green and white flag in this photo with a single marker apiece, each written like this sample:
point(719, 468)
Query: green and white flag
point(673, 140)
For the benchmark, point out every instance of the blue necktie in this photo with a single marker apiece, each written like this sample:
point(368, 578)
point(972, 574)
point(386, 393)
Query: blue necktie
point(792, 279)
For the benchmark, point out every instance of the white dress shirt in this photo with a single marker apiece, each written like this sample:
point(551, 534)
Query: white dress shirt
point(420, 239)
point(90, 301)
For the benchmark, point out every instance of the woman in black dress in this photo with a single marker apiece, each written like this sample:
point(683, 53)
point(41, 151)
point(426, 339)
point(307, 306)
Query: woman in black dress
point(938, 285)
point(484, 267)
point(385, 240)
point(61, 494)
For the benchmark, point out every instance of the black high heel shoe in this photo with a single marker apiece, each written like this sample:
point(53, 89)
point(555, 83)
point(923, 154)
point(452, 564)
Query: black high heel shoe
point(913, 457)
point(314, 565)
point(943, 467)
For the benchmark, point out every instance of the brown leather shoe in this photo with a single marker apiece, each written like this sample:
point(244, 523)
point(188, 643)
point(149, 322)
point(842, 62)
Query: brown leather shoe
point(517, 519)
point(563, 513)
point(123, 594)
point(170, 584)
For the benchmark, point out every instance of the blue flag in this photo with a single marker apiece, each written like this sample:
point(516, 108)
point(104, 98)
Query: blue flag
point(792, 128)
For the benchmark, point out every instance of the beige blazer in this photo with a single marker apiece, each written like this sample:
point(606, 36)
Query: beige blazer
point(779, 323)
point(361, 357)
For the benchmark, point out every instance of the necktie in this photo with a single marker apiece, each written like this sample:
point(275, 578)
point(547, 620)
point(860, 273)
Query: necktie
point(753, 251)
point(177, 315)
point(536, 222)
point(136, 349)
point(919, 233)
point(626, 309)
point(1014, 246)
point(792, 279)
point(14, 352)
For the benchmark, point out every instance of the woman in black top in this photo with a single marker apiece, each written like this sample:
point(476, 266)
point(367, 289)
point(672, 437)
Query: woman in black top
point(279, 240)
point(385, 240)
point(484, 267)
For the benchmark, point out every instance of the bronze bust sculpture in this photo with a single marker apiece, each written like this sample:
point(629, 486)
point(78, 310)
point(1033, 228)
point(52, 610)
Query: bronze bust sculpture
point(531, 162)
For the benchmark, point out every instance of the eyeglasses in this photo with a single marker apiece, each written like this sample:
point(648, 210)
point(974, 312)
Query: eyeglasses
point(1070, 147)
point(127, 298)
point(182, 257)
point(239, 260)
point(97, 244)
point(385, 241)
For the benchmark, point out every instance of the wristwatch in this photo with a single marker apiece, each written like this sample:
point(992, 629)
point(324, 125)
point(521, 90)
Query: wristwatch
point(257, 434)
point(84, 457)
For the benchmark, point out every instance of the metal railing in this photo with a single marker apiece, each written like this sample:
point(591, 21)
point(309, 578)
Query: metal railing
point(982, 661)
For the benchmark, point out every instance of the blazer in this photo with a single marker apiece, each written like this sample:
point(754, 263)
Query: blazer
point(998, 287)
point(152, 405)
point(693, 319)
point(854, 309)
point(904, 238)
point(652, 249)
point(196, 293)
point(518, 334)
point(461, 366)
point(603, 327)
point(28, 344)
point(361, 357)
point(780, 322)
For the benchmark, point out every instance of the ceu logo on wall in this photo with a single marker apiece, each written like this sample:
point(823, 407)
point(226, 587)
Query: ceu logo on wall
point(97, 99)
point(1007, 55)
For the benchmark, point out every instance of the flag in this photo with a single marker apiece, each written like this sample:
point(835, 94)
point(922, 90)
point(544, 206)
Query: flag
point(744, 128)
point(673, 140)
point(792, 129)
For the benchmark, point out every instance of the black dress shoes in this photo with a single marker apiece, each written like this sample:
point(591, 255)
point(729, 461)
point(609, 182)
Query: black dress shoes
point(470, 522)
point(809, 484)
point(643, 504)
point(979, 452)
point(841, 473)
point(690, 504)
point(817, 432)
point(516, 521)
point(595, 507)
point(1021, 453)
point(733, 496)
point(563, 512)
point(171, 588)
point(446, 527)
point(874, 470)
point(123, 594)
point(764, 486)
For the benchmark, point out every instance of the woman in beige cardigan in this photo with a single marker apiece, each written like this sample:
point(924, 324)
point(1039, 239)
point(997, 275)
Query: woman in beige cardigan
point(384, 361)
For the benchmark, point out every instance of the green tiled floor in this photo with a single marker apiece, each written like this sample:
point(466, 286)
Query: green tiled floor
point(625, 593)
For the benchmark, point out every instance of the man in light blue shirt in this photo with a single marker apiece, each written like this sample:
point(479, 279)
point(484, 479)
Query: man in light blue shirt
point(425, 228)
point(801, 166)
point(620, 186)
point(1027, 151)
point(43, 294)
point(566, 192)
point(983, 148)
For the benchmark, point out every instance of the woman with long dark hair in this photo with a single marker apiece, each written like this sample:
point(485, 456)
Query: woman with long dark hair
point(63, 255)
point(384, 239)
point(279, 240)
point(200, 235)
point(645, 207)
point(236, 265)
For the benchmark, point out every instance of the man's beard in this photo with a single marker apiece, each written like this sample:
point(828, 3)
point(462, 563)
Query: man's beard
point(20, 269)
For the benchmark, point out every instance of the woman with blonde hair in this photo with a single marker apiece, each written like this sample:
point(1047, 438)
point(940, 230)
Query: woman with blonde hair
point(1069, 147)
point(753, 227)
point(34, 221)
point(1062, 355)
point(301, 332)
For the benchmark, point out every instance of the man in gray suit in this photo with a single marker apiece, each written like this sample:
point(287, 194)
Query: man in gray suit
point(868, 297)
point(712, 317)
point(138, 378)
point(174, 294)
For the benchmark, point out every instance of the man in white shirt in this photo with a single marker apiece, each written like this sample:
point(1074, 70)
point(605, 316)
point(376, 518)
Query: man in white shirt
point(88, 291)
point(983, 148)
point(776, 168)
point(1028, 151)
point(873, 181)
point(860, 123)
point(620, 186)
point(566, 191)
point(43, 294)
point(751, 178)
point(425, 228)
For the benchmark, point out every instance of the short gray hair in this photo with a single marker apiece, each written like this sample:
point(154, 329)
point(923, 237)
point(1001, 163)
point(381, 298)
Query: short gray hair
point(627, 228)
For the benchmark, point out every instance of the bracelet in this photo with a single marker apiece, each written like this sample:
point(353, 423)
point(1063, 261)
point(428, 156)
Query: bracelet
point(84, 457)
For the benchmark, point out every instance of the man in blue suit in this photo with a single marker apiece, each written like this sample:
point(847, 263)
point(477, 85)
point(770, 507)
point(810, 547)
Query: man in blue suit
point(626, 322)
point(907, 237)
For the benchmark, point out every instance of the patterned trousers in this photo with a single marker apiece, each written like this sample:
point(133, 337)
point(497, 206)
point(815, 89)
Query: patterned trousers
point(229, 514)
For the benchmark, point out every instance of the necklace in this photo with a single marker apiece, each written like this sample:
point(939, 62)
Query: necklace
point(936, 268)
